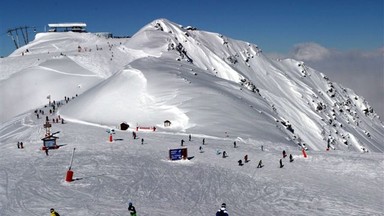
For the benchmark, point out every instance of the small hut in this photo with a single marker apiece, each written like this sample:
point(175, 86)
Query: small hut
point(167, 123)
point(124, 126)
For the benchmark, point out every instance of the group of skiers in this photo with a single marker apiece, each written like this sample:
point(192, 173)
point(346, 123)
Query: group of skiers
point(284, 156)
point(189, 139)
point(20, 145)
point(131, 210)
point(134, 136)
point(260, 164)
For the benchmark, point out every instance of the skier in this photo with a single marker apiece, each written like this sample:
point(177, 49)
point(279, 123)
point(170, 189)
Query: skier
point(234, 144)
point(201, 149)
point(131, 209)
point(240, 163)
point(260, 165)
point(53, 212)
point(281, 163)
point(189, 137)
point(134, 134)
point(262, 148)
point(46, 151)
point(182, 142)
point(21, 145)
point(290, 158)
point(225, 154)
point(284, 154)
point(246, 159)
point(142, 141)
point(222, 211)
point(18, 145)
point(203, 141)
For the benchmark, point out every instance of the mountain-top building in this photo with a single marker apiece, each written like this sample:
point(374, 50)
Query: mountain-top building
point(65, 27)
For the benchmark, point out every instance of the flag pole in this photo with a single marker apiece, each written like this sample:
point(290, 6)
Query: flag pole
point(73, 153)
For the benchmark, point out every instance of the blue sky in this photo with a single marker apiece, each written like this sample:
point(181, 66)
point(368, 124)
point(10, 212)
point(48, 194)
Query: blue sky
point(275, 25)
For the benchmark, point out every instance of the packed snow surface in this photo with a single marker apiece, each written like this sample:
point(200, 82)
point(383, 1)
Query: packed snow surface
point(208, 86)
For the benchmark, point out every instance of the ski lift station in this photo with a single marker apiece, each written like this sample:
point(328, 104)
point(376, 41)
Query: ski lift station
point(65, 27)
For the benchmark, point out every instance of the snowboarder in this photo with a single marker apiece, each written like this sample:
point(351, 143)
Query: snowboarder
point(53, 212)
point(234, 144)
point(284, 154)
point(260, 165)
point(290, 158)
point(281, 163)
point(182, 142)
point(131, 209)
point(189, 137)
point(222, 211)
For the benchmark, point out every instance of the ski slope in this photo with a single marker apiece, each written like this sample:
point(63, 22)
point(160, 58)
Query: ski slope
point(110, 174)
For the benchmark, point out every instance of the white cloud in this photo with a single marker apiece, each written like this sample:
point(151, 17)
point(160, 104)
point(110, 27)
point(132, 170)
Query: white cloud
point(310, 52)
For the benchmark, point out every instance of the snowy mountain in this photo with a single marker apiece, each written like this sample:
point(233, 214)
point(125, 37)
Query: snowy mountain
point(205, 84)
point(160, 73)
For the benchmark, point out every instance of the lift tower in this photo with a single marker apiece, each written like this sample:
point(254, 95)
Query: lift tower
point(23, 30)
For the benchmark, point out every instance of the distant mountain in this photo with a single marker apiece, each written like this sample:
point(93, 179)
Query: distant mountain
point(201, 82)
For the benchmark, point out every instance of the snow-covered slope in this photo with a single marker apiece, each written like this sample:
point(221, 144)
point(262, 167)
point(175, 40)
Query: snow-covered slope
point(108, 175)
point(190, 77)
point(205, 84)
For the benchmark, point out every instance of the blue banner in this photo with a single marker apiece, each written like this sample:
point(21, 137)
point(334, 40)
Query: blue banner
point(175, 154)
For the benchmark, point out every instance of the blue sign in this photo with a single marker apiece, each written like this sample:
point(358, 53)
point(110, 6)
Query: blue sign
point(175, 154)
